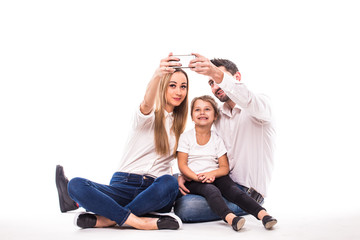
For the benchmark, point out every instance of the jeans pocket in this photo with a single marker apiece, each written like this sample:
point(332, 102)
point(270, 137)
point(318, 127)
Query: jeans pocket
point(117, 180)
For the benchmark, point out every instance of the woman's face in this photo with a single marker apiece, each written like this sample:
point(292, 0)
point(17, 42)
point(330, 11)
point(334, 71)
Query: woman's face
point(176, 91)
point(203, 113)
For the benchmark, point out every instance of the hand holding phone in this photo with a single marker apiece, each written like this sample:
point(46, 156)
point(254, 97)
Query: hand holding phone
point(184, 60)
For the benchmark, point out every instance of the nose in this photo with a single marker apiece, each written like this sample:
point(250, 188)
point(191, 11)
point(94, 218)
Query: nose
point(214, 88)
point(178, 91)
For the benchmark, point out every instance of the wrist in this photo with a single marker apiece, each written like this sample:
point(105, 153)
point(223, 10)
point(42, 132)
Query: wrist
point(218, 76)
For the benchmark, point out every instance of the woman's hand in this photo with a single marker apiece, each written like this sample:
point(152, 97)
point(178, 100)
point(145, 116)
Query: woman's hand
point(167, 65)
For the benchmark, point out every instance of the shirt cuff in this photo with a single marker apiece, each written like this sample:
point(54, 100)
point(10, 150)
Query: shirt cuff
point(227, 82)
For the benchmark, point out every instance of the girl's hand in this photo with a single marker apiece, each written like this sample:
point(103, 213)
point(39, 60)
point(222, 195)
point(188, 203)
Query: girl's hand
point(206, 177)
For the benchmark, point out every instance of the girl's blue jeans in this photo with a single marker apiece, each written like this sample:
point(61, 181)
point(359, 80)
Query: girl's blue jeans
point(127, 193)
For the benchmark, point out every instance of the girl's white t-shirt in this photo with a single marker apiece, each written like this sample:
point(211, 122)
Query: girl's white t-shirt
point(201, 158)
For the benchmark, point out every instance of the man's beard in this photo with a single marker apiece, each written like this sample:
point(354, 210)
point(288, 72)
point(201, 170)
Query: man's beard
point(223, 98)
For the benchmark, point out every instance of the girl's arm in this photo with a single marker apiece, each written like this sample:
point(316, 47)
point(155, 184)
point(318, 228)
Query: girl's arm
point(183, 166)
point(223, 170)
point(165, 67)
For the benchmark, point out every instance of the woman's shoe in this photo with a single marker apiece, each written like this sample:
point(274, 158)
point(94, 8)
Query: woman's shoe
point(85, 220)
point(66, 203)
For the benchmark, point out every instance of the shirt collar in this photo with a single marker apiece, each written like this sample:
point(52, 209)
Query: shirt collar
point(225, 109)
point(170, 114)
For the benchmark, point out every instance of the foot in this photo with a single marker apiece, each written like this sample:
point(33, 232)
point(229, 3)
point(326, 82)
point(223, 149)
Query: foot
point(66, 203)
point(168, 221)
point(268, 221)
point(85, 220)
point(238, 223)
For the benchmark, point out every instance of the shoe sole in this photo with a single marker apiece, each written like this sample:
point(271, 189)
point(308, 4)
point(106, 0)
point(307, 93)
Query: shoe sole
point(240, 224)
point(270, 224)
point(170, 215)
point(59, 173)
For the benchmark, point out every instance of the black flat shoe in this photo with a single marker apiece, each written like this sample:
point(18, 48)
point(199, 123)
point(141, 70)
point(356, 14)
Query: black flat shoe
point(238, 223)
point(66, 203)
point(167, 221)
point(85, 220)
point(268, 221)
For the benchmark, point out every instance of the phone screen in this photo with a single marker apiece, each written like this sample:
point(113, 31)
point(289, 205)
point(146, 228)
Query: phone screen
point(184, 60)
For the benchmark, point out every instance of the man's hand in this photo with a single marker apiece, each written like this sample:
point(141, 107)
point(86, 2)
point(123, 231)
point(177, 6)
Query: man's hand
point(182, 188)
point(204, 66)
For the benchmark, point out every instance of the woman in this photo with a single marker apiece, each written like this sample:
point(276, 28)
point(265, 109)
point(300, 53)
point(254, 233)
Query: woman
point(143, 183)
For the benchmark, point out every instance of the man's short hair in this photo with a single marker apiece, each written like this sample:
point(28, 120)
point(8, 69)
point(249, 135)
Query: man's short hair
point(229, 65)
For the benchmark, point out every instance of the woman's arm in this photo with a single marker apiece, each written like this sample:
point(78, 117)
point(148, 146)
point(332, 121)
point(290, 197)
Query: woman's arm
point(166, 66)
point(183, 166)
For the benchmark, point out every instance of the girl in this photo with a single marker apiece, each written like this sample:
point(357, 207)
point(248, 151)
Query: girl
point(143, 182)
point(203, 162)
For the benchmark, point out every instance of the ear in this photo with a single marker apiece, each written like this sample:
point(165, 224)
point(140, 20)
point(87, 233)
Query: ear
point(238, 76)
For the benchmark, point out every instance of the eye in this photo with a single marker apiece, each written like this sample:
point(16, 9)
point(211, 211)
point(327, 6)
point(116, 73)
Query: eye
point(211, 83)
point(196, 110)
point(172, 85)
point(184, 87)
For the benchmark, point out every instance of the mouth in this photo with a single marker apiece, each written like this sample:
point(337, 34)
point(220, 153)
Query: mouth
point(219, 92)
point(202, 118)
point(177, 99)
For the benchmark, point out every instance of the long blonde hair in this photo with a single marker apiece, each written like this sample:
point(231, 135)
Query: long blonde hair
point(179, 113)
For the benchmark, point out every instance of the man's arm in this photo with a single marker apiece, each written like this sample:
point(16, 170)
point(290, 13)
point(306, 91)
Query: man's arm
point(257, 105)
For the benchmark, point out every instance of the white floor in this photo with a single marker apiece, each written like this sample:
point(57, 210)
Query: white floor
point(291, 225)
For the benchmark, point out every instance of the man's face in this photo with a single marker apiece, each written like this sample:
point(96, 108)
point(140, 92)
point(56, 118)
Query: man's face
point(216, 90)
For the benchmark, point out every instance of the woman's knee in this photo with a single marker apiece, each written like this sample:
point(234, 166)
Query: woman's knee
point(169, 185)
point(168, 180)
point(75, 185)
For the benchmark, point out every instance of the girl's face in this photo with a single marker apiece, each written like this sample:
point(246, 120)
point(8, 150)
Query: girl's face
point(176, 91)
point(203, 113)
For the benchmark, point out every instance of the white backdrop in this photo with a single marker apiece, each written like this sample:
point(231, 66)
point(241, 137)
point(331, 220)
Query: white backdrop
point(72, 73)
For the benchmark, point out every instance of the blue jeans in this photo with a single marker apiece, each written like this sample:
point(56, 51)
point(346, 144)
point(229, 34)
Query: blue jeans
point(194, 208)
point(127, 193)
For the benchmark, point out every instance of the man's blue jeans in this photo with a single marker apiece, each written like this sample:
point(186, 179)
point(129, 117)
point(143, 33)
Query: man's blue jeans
point(127, 193)
point(194, 208)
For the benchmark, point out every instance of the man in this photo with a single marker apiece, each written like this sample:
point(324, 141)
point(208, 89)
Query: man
point(246, 125)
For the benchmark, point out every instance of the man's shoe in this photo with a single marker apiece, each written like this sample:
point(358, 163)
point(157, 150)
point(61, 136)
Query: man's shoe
point(238, 223)
point(167, 221)
point(66, 203)
point(85, 220)
point(268, 221)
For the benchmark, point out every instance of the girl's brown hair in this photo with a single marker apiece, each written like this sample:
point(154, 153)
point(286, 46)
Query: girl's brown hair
point(179, 113)
point(206, 98)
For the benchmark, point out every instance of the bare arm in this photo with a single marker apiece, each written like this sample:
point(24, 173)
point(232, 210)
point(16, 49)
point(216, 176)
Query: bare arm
point(165, 67)
point(183, 166)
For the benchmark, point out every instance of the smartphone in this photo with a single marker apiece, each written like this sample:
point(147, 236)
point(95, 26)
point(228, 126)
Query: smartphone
point(184, 60)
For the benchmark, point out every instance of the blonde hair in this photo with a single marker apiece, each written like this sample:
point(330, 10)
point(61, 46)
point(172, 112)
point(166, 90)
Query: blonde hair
point(179, 113)
point(206, 98)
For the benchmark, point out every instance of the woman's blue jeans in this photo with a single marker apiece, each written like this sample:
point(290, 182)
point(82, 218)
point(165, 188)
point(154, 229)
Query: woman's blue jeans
point(194, 208)
point(127, 193)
